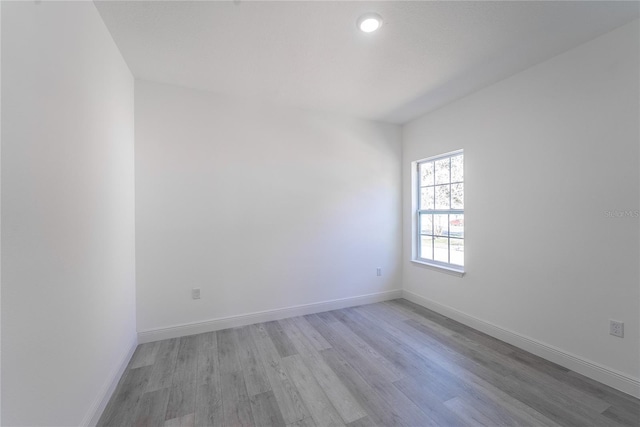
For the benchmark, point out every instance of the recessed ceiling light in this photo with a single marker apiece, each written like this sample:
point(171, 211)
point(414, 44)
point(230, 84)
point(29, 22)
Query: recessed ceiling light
point(369, 22)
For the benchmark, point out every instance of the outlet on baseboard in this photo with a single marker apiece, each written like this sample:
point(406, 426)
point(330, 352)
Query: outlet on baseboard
point(616, 328)
point(195, 293)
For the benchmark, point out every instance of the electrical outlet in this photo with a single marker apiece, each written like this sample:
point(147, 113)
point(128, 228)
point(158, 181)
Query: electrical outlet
point(616, 328)
point(195, 293)
point(378, 271)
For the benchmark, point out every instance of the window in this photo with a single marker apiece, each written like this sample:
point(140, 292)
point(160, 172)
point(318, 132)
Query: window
point(439, 214)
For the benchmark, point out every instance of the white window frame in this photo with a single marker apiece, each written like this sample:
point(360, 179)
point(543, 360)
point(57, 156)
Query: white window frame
point(447, 267)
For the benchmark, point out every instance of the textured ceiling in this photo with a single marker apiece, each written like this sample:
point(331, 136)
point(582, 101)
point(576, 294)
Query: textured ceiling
point(310, 54)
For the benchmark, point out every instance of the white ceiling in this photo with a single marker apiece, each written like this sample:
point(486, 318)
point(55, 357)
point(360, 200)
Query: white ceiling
point(310, 54)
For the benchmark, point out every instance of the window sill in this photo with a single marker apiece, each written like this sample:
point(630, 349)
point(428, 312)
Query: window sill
point(444, 269)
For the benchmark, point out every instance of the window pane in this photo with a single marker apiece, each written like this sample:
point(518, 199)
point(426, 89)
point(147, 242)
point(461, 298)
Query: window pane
point(457, 251)
point(426, 198)
point(442, 171)
point(440, 216)
point(442, 196)
point(441, 249)
point(426, 224)
point(457, 170)
point(441, 225)
point(426, 247)
point(457, 196)
point(456, 226)
point(426, 173)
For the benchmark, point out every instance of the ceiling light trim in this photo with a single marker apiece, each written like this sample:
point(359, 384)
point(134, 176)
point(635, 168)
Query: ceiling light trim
point(369, 22)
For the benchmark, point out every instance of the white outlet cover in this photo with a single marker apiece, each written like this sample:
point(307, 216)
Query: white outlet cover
point(195, 293)
point(616, 328)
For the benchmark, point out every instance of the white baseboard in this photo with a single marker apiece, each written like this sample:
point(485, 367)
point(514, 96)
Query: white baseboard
point(262, 316)
point(94, 413)
point(590, 369)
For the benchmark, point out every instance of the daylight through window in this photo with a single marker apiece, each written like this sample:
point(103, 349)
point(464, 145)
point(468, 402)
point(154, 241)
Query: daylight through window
point(440, 213)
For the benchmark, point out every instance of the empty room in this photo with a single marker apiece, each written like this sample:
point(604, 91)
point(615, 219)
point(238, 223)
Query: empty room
point(320, 213)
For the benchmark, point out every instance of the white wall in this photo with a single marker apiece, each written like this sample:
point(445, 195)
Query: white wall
point(68, 298)
point(0, 215)
point(261, 207)
point(547, 153)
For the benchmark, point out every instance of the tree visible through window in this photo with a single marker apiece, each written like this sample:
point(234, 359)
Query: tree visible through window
point(440, 213)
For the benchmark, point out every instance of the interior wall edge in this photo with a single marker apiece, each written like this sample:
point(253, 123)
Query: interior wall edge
point(100, 403)
point(263, 316)
point(588, 368)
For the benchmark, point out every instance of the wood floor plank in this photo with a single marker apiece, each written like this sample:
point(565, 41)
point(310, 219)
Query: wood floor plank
point(396, 324)
point(121, 409)
point(548, 401)
point(235, 401)
point(255, 375)
point(182, 400)
point(182, 395)
point(186, 363)
point(208, 366)
point(418, 366)
point(282, 343)
point(477, 383)
point(616, 398)
point(209, 411)
point(327, 316)
point(152, 408)
point(378, 410)
point(492, 410)
point(319, 406)
point(266, 412)
point(509, 367)
point(184, 421)
point(287, 396)
point(462, 382)
point(406, 410)
point(538, 364)
point(391, 372)
point(305, 422)
point(362, 422)
point(144, 355)
point(164, 366)
point(458, 329)
point(208, 404)
point(393, 349)
point(545, 400)
point(384, 364)
point(469, 413)
point(467, 384)
point(623, 416)
point(423, 395)
point(314, 337)
point(344, 402)
point(528, 369)
point(389, 310)
point(368, 361)
point(227, 353)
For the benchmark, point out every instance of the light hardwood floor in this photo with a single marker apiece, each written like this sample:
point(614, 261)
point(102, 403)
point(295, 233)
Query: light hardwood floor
point(386, 364)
